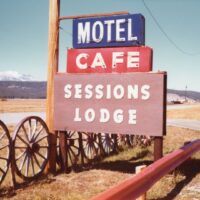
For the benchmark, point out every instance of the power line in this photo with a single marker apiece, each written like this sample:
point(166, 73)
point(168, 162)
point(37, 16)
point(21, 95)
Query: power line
point(68, 33)
point(165, 34)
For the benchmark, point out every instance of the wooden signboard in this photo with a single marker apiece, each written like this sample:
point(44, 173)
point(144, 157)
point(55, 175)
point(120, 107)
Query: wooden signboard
point(108, 60)
point(118, 30)
point(111, 103)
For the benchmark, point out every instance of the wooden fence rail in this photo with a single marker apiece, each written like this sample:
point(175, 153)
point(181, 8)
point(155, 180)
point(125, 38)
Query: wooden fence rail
point(140, 183)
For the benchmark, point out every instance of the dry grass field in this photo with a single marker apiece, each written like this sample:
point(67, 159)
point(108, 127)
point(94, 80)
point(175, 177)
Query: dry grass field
point(188, 113)
point(22, 105)
point(101, 175)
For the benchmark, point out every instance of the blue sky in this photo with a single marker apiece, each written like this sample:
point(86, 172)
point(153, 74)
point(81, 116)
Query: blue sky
point(24, 35)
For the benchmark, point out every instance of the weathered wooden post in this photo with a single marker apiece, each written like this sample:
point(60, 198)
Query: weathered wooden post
point(158, 141)
point(158, 148)
point(137, 171)
point(53, 49)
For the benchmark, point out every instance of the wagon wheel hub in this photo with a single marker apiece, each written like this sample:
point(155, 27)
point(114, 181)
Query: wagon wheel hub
point(70, 142)
point(91, 140)
point(33, 148)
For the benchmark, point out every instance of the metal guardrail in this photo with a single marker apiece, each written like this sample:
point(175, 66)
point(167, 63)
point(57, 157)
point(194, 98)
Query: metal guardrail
point(140, 183)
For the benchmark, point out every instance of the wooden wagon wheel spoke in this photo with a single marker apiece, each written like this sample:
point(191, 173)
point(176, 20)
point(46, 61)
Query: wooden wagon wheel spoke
point(39, 154)
point(91, 148)
point(16, 147)
point(25, 133)
point(34, 129)
point(75, 147)
point(35, 136)
point(2, 158)
point(69, 149)
point(90, 145)
point(107, 143)
point(70, 156)
point(5, 150)
point(3, 135)
point(32, 165)
point(2, 170)
point(28, 125)
point(23, 162)
point(27, 165)
point(36, 160)
point(131, 139)
point(3, 147)
point(21, 155)
point(91, 152)
point(41, 139)
point(71, 152)
point(36, 148)
point(26, 143)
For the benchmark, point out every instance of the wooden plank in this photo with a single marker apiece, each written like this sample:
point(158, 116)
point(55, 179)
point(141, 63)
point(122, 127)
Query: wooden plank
point(93, 15)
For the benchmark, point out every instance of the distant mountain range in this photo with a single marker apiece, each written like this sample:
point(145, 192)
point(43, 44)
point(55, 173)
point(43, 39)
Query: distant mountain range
point(36, 89)
point(16, 85)
point(182, 94)
point(23, 89)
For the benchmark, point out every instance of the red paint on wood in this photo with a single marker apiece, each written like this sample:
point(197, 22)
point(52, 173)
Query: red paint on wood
point(107, 60)
point(142, 182)
point(118, 114)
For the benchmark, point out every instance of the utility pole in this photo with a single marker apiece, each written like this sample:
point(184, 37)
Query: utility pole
point(53, 52)
point(185, 93)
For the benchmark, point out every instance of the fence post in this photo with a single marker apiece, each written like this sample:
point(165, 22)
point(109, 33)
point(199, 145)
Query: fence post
point(53, 48)
point(137, 171)
point(63, 150)
point(158, 148)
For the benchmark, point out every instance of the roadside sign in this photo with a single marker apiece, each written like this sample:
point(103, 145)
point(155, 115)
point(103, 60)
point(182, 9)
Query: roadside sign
point(118, 30)
point(107, 60)
point(113, 103)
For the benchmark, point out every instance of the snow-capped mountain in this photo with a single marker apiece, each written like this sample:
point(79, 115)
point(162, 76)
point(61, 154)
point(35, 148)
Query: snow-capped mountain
point(15, 76)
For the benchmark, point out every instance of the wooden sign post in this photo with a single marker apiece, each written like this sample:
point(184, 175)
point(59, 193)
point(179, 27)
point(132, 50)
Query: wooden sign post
point(53, 47)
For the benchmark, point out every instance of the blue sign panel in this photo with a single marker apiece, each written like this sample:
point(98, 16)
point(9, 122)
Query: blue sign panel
point(118, 30)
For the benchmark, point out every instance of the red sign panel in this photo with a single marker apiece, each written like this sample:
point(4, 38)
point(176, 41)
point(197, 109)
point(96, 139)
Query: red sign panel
point(107, 60)
point(111, 103)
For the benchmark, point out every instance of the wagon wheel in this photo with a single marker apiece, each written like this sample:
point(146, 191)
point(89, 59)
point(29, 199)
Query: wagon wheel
point(146, 141)
point(90, 145)
point(30, 147)
point(69, 149)
point(120, 140)
point(73, 149)
point(58, 151)
point(131, 140)
point(143, 140)
point(5, 150)
point(107, 143)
